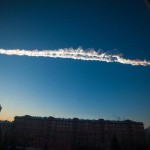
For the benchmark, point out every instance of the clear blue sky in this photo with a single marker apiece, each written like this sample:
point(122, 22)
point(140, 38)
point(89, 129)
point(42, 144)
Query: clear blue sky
point(74, 88)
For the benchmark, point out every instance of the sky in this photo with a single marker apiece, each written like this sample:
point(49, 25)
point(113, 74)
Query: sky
point(66, 87)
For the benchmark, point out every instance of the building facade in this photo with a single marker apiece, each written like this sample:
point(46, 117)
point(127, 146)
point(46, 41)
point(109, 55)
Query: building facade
point(78, 134)
point(147, 131)
point(5, 130)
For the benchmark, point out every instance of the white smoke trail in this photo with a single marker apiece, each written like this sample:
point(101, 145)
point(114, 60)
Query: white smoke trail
point(78, 53)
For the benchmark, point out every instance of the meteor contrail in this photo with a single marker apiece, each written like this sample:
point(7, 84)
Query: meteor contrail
point(79, 53)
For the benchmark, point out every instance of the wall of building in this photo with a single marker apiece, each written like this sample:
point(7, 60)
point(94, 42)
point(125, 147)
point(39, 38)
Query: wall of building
point(147, 132)
point(5, 130)
point(69, 134)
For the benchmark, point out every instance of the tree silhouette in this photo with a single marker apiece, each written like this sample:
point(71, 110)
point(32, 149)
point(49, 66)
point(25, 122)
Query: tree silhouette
point(4, 143)
point(12, 144)
point(115, 143)
point(0, 136)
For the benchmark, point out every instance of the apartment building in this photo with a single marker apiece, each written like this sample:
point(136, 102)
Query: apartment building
point(78, 134)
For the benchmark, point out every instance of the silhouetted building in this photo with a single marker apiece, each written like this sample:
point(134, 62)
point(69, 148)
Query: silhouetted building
point(78, 134)
point(148, 137)
point(5, 129)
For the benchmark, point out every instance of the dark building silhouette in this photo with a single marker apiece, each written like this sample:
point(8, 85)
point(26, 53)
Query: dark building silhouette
point(148, 137)
point(5, 131)
point(78, 134)
point(5, 128)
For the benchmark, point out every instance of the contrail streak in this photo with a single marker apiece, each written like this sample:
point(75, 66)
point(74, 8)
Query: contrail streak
point(78, 53)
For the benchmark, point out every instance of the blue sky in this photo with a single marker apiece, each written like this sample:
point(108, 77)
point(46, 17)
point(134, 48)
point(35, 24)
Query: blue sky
point(73, 88)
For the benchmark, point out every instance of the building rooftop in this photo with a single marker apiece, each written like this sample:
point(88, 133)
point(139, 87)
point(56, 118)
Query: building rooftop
point(76, 119)
point(5, 121)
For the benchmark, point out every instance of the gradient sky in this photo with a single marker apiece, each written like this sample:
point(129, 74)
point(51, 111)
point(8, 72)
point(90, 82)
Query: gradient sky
point(74, 88)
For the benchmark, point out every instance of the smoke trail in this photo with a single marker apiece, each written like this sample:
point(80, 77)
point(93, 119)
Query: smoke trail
point(78, 53)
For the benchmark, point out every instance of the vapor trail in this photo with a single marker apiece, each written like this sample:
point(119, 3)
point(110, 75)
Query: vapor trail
point(78, 53)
